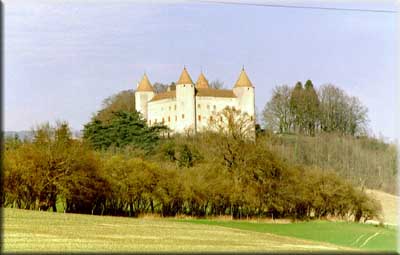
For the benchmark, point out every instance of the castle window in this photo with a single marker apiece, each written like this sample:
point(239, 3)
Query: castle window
point(176, 118)
point(199, 117)
point(175, 107)
point(220, 118)
point(149, 122)
point(169, 119)
point(198, 106)
point(211, 118)
point(169, 108)
point(162, 120)
point(183, 116)
point(155, 121)
point(251, 117)
point(215, 108)
point(208, 107)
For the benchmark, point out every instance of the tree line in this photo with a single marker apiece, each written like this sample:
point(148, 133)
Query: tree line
point(217, 172)
point(302, 109)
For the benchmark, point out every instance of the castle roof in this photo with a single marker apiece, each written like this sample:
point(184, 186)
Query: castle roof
point(164, 95)
point(200, 92)
point(210, 92)
point(145, 84)
point(243, 80)
point(202, 81)
point(185, 78)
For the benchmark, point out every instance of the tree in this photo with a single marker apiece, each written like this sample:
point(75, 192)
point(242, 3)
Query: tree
point(132, 181)
point(122, 101)
point(340, 112)
point(122, 129)
point(357, 117)
point(11, 142)
point(234, 123)
point(311, 111)
point(217, 84)
point(305, 111)
point(160, 87)
point(172, 86)
point(228, 133)
point(52, 165)
point(297, 107)
point(277, 114)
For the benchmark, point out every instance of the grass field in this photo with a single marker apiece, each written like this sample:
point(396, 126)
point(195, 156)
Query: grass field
point(353, 235)
point(30, 231)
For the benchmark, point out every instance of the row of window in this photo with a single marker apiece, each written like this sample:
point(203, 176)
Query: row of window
point(183, 117)
point(198, 106)
point(169, 119)
point(210, 118)
point(169, 108)
point(208, 107)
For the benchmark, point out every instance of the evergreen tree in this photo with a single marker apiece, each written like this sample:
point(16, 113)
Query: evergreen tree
point(297, 106)
point(311, 107)
point(124, 128)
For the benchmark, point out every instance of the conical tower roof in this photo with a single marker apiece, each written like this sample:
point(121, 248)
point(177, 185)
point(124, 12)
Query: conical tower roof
point(243, 80)
point(185, 78)
point(202, 81)
point(145, 84)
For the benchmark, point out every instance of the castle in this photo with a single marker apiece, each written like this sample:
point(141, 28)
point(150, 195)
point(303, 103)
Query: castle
point(190, 106)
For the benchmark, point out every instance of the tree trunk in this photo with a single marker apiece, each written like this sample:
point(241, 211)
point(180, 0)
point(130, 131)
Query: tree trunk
point(131, 209)
point(152, 206)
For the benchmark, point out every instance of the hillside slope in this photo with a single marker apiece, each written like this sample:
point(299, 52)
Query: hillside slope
point(389, 205)
point(364, 161)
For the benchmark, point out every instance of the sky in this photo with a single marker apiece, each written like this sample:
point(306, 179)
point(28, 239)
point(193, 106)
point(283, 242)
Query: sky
point(63, 58)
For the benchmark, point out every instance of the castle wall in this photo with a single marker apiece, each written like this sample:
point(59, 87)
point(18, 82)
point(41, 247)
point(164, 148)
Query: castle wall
point(246, 103)
point(207, 107)
point(163, 112)
point(141, 102)
point(246, 100)
point(185, 107)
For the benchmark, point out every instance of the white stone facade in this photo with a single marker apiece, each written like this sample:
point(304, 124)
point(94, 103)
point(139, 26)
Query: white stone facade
point(191, 107)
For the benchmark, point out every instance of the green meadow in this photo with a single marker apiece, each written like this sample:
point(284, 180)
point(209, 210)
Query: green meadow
point(34, 231)
point(347, 234)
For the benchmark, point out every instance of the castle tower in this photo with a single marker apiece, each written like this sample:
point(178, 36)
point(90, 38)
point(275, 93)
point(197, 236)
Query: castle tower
point(202, 82)
point(244, 90)
point(185, 103)
point(144, 93)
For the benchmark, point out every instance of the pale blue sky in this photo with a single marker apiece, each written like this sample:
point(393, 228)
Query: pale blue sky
point(62, 58)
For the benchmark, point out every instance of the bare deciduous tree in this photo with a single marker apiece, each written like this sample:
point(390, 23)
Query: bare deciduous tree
point(340, 112)
point(277, 115)
point(122, 101)
point(217, 84)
